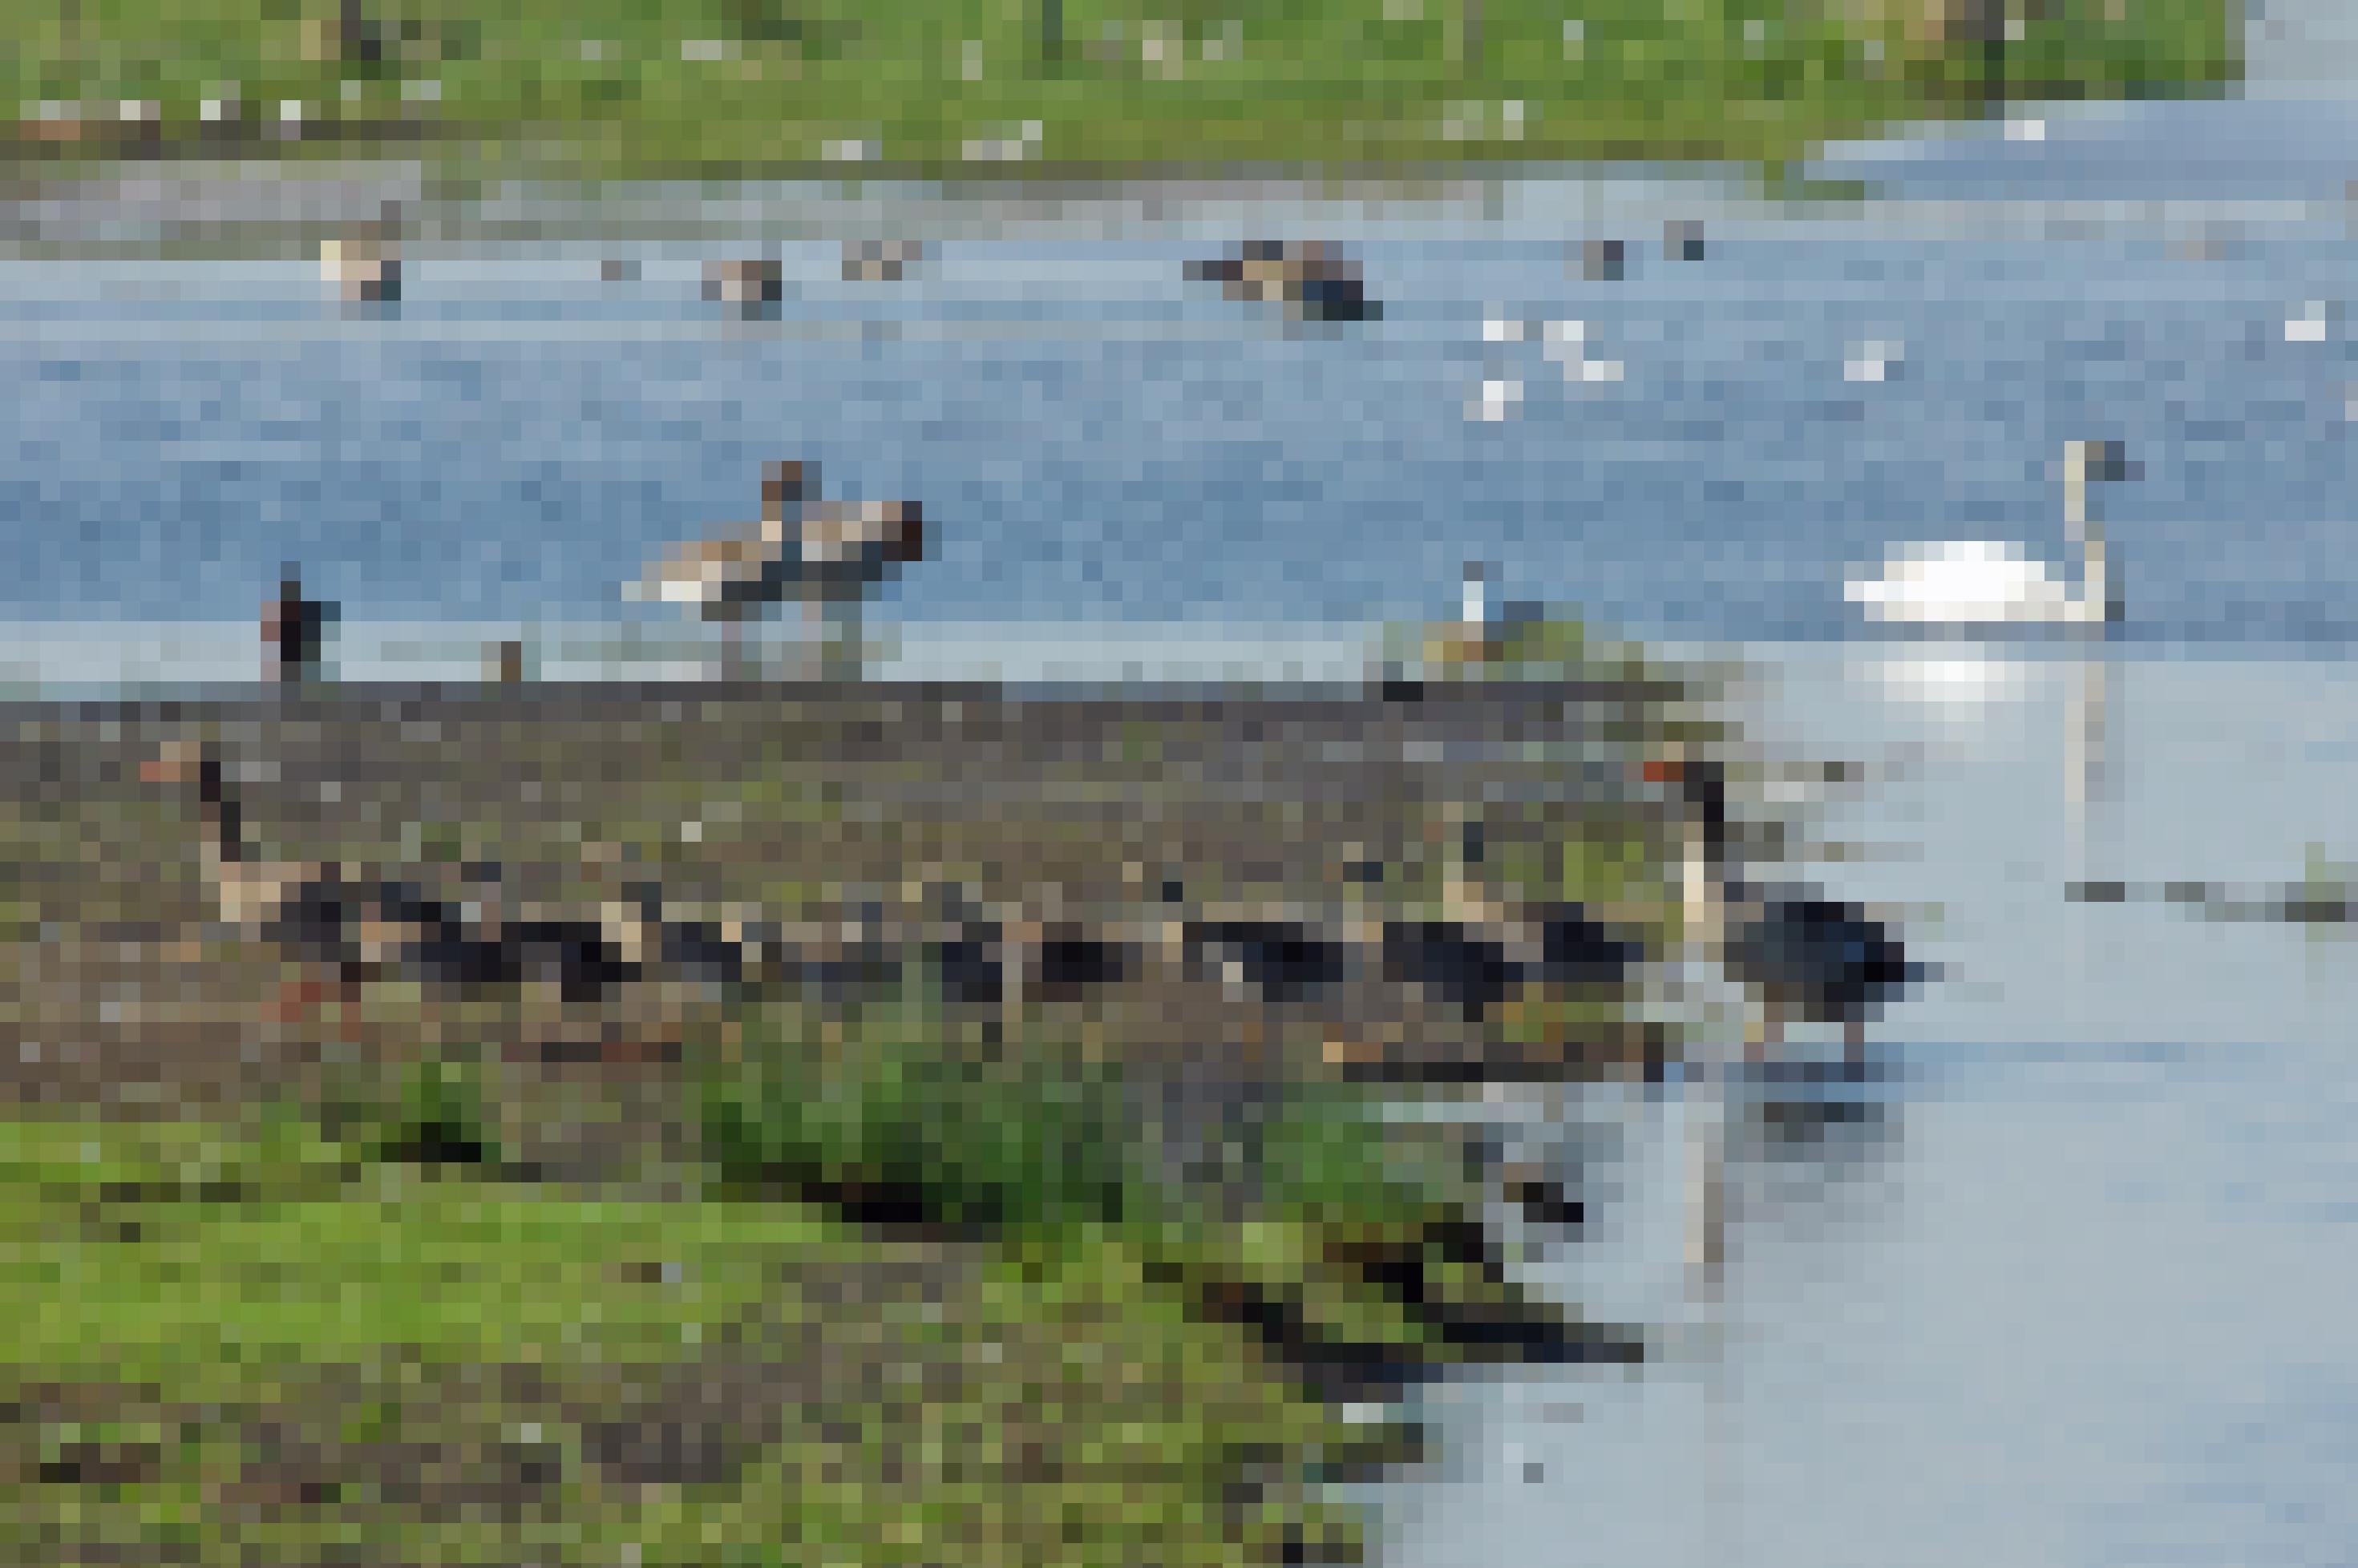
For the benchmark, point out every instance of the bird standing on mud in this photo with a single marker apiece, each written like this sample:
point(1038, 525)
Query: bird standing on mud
point(827, 555)
point(350, 925)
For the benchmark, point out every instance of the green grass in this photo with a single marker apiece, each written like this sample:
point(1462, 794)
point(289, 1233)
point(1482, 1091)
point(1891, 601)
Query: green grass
point(722, 87)
point(449, 1269)
point(1052, 1407)
point(267, 1315)
point(1014, 1144)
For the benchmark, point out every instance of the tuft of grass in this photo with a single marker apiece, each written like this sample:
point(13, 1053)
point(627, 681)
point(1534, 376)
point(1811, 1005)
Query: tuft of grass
point(893, 1123)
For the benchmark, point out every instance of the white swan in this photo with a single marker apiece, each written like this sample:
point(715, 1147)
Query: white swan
point(1982, 580)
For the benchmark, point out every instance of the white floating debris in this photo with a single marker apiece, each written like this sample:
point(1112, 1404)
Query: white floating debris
point(1497, 330)
point(1567, 344)
point(1872, 361)
point(2025, 130)
point(1499, 398)
point(1565, 339)
point(2308, 327)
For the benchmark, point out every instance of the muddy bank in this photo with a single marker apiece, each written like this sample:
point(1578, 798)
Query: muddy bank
point(1106, 813)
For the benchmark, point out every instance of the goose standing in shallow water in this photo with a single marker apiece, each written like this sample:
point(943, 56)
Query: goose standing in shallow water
point(1808, 959)
point(1984, 581)
point(826, 554)
point(1804, 956)
point(364, 264)
point(747, 286)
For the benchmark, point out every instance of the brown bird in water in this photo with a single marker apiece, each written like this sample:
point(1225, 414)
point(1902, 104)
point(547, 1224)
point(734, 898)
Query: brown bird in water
point(745, 285)
point(827, 556)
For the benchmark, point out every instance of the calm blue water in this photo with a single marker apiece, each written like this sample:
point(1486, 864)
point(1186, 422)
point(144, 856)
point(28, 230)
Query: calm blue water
point(1103, 441)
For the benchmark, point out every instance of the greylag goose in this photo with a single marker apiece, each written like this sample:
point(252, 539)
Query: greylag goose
point(1809, 958)
point(1310, 280)
point(1282, 960)
point(356, 925)
point(746, 286)
point(364, 264)
point(1484, 952)
point(827, 556)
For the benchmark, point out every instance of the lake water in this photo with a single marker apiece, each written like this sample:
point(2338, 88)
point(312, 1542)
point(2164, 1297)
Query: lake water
point(2071, 1283)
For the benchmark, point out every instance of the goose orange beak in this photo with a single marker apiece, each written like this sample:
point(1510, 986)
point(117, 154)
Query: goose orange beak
point(1662, 771)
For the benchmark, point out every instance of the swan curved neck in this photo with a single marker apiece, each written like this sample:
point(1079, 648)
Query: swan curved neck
point(2093, 601)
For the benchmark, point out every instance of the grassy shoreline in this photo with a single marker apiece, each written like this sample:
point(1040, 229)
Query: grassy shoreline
point(766, 88)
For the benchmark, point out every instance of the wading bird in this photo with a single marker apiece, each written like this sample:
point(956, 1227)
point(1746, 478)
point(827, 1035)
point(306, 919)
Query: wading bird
point(364, 264)
point(1808, 959)
point(744, 286)
point(827, 556)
